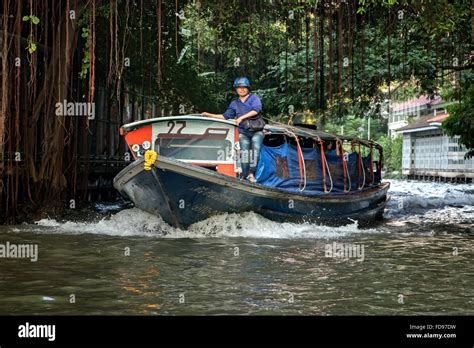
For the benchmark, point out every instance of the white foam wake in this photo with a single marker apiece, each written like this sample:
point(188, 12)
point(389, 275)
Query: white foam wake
point(417, 202)
point(134, 222)
point(437, 202)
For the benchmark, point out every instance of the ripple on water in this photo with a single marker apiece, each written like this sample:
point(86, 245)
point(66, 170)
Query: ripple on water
point(420, 252)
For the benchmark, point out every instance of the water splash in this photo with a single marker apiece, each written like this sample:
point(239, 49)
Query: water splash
point(129, 222)
point(411, 201)
point(431, 202)
point(134, 222)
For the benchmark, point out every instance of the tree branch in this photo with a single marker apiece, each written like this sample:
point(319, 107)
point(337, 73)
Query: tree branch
point(457, 68)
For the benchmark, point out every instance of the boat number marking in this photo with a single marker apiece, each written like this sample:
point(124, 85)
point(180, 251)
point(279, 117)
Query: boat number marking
point(171, 124)
point(146, 144)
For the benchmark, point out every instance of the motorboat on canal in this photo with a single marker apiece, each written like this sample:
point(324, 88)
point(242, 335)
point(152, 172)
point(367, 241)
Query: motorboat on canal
point(187, 169)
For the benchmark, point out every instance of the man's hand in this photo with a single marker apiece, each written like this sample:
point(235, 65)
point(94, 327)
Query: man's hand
point(247, 115)
point(208, 114)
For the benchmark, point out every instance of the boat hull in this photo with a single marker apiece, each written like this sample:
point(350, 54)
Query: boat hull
point(183, 194)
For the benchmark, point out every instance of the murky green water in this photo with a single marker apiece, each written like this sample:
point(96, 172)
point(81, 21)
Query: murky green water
point(419, 261)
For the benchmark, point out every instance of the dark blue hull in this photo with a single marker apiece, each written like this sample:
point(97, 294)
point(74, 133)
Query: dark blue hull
point(183, 194)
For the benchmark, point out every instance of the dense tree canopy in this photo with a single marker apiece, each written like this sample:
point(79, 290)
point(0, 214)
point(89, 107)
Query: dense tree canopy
point(334, 62)
point(320, 60)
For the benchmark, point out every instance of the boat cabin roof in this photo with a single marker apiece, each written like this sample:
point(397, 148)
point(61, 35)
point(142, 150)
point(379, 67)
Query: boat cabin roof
point(275, 128)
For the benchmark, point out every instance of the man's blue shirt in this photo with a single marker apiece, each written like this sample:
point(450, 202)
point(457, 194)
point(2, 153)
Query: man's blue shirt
point(251, 103)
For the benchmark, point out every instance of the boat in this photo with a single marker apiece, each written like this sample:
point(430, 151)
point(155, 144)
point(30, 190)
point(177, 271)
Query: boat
point(187, 169)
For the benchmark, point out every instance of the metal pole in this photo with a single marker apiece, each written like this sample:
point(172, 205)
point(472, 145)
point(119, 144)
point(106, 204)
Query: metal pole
point(368, 128)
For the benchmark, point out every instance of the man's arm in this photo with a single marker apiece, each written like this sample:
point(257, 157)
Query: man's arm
point(247, 115)
point(229, 113)
point(208, 114)
point(256, 105)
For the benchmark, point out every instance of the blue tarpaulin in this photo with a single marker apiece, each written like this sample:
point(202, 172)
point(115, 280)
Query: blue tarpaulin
point(279, 167)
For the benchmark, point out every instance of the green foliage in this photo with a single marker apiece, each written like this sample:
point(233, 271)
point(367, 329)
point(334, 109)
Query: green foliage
point(32, 18)
point(395, 156)
point(358, 127)
point(218, 41)
point(86, 60)
point(392, 150)
point(364, 5)
point(31, 47)
point(461, 115)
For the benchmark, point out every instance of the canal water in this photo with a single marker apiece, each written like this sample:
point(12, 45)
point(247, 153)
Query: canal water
point(418, 261)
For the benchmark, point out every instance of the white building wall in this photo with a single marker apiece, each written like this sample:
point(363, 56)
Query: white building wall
point(432, 153)
point(406, 152)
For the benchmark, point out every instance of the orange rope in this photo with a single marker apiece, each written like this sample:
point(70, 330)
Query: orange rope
point(371, 167)
point(381, 161)
point(359, 166)
point(339, 142)
point(323, 161)
point(300, 164)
